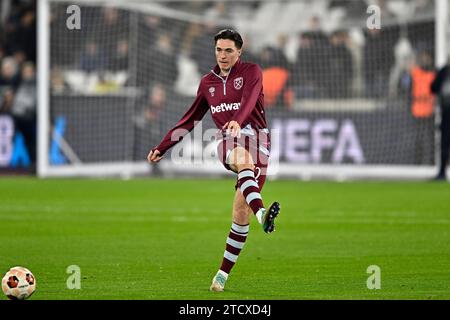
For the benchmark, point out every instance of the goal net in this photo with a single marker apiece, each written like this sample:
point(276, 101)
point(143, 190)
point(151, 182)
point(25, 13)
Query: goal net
point(346, 84)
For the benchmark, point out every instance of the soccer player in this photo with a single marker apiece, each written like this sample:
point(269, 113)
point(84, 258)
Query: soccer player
point(233, 92)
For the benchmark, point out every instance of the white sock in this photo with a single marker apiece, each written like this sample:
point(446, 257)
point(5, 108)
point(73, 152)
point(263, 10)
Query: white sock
point(259, 215)
point(223, 273)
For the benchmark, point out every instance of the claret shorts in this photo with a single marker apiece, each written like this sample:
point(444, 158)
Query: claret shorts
point(258, 146)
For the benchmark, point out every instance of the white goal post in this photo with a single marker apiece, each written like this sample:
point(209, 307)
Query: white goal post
point(92, 119)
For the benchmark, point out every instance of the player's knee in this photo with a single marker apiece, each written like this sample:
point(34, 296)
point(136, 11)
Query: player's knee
point(241, 159)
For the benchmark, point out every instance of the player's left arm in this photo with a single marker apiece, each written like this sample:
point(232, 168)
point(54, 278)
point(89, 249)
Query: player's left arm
point(251, 89)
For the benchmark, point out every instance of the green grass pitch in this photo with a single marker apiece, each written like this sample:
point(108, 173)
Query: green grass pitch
point(164, 239)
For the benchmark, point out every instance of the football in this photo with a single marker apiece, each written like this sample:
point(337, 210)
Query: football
point(18, 283)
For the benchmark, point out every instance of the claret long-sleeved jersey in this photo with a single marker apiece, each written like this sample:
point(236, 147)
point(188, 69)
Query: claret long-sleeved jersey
point(238, 97)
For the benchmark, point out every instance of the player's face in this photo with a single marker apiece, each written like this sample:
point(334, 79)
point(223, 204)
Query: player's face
point(226, 54)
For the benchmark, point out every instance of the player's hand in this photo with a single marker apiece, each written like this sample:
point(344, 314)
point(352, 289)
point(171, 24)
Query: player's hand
point(234, 128)
point(154, 156)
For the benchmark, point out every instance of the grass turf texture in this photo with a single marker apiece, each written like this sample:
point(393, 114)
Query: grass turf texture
point(164, 239)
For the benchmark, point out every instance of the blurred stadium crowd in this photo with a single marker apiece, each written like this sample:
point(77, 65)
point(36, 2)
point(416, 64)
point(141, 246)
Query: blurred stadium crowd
point(320, 51)
point(317, 50)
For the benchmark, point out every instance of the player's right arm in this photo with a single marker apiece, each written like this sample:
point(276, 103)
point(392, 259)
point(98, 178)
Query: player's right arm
point(195, 113)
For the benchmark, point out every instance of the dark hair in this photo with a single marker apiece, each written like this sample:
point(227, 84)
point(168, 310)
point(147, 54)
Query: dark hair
point(230, 35)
